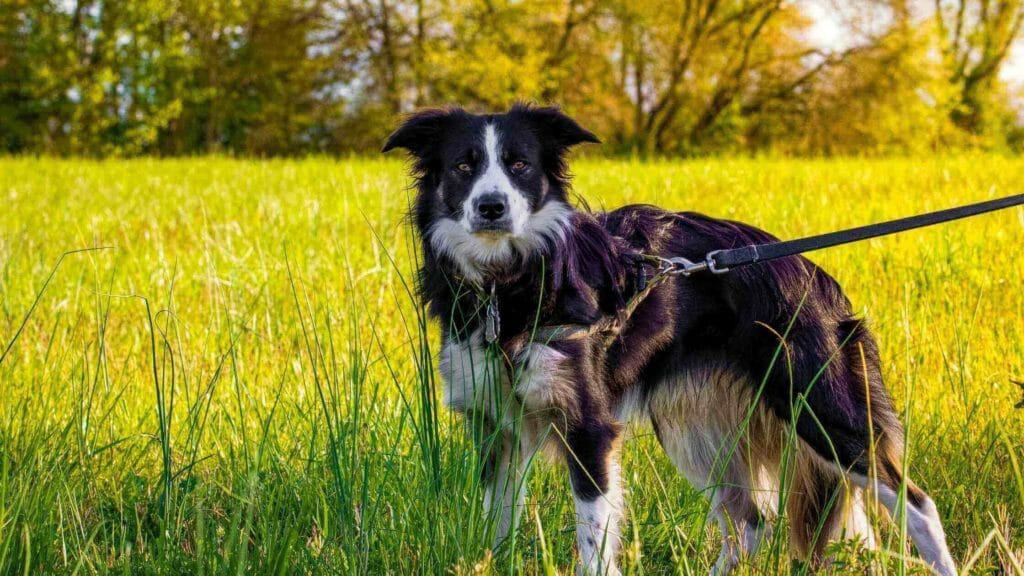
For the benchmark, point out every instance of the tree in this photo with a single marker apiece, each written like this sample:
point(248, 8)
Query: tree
point(681, 77)
point(976, 37)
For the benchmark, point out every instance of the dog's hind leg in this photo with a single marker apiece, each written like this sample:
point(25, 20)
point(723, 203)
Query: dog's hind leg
point(701, 420)
point(884, 478)
point(593, 460)
point(742, 525)
point(856, 522)
point(823, 508)
point(844, 414)
point(923, 522)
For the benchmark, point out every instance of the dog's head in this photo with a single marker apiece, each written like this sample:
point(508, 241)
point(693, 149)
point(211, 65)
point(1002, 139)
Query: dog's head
point(491, 187)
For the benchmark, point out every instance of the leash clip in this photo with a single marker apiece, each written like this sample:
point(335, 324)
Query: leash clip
point(680, 265)
point(710, 264)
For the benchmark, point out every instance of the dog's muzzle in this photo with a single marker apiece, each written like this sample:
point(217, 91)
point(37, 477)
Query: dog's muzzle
point(490, 213)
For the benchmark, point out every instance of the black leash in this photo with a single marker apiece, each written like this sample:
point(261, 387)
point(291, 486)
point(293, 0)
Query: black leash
point(721, 261)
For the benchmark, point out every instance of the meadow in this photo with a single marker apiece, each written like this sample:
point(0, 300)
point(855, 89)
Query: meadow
point(235, 378)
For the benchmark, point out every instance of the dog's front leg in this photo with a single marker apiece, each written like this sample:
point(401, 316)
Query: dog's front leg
point(503, 463)
point(505, 490)
point(597, 490)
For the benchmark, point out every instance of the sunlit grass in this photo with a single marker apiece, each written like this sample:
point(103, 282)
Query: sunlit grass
point(241, 381)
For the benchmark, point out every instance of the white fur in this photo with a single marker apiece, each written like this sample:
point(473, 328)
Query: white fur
point(474, 381)
point(856, 523)
point(632, 405)
point(494, 179)
point(923, 523)
point(474, 253)
point(544, 381)
point(740, 538)
point(700, 418)
point(505, 496)
point(597, 528)
point(545, 225)
point(472, 377)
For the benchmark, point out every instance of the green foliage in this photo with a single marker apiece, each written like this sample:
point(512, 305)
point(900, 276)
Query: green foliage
point(269, 407)
point(891, 98)
point(682, 77)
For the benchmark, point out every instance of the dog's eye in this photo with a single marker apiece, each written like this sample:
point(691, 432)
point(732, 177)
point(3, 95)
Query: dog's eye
point(463, 167)
point(519, 166)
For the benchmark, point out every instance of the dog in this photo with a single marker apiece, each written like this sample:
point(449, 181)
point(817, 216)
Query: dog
point(757, 382)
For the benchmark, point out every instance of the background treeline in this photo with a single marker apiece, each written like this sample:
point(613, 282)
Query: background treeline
point(681, 77)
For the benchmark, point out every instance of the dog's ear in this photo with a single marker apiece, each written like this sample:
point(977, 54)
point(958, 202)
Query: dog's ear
point(554, 127)
point(421, 131)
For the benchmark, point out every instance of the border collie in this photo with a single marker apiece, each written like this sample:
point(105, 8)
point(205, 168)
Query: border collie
point(760, 384)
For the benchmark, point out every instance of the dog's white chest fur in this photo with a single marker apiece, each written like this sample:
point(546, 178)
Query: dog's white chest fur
point(473, 377)
point(477, 379)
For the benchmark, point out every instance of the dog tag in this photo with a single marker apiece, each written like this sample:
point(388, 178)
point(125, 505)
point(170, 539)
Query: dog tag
point(492, 324)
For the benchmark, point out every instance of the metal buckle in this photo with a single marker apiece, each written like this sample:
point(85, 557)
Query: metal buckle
point(680, 265)
point(709, 263)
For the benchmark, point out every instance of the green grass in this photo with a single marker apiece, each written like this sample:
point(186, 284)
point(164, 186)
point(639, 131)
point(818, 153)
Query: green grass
point(240, 381)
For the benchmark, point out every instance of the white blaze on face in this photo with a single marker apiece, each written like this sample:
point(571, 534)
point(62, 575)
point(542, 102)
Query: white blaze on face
point(530, 232)
point(494, 179)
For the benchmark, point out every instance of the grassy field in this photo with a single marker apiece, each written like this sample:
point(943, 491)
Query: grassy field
point(240, 382)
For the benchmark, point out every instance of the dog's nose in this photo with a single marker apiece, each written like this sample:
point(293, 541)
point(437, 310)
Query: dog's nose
point(491, 206)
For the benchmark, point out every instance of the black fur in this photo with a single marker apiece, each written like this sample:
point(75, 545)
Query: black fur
point(785, 324)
